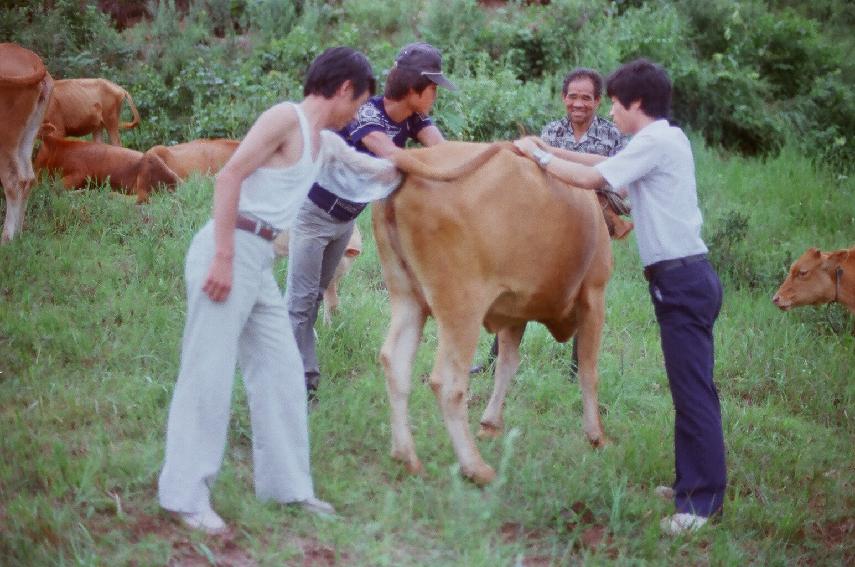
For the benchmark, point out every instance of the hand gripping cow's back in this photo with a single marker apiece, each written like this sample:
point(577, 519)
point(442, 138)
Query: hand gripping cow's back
point(499, 245)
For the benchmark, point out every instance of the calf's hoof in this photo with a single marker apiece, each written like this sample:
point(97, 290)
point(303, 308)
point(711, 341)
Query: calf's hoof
point(489, 431)
point(411, 463)
point(599, 441)
point(481, 475)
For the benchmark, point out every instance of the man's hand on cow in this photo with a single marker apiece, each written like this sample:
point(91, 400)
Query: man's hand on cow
point(218, 284)
point(526, 146)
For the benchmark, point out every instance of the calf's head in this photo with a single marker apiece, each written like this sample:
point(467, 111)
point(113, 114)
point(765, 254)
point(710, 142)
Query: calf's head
point(813, 279)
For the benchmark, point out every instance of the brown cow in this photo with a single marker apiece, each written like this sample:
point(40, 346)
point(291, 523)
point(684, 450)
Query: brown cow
point(121, 167)
point(354, 249)
point(86, 106)
point(503, 246)
point(819, 277)
point(199, 156)
point(25, 88)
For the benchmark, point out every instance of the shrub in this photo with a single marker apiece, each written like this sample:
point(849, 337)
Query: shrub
point(73, 40)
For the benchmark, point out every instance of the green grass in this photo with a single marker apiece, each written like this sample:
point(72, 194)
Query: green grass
point(91, 314)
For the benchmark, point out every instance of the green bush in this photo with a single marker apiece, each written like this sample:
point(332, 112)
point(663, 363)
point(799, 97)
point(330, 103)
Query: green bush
point(746, 74)
point(73, 40)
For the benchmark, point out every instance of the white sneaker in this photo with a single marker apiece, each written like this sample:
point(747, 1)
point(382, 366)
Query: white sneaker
point(682, 523)
point(207, 521)
point(317, 506)
point(664, 492)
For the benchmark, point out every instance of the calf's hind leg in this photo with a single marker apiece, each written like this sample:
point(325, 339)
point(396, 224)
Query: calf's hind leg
point(591, 316)
point(507, 363)
point(450, 382)
point(396, 356)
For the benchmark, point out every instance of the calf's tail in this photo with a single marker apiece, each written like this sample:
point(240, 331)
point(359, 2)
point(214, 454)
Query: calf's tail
point(136, 114)
point(409, 164)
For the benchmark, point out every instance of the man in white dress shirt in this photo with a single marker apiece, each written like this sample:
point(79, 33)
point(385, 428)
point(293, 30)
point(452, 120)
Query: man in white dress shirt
point(658, 168)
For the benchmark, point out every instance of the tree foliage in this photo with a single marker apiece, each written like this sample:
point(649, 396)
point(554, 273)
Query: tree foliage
point(748, 75)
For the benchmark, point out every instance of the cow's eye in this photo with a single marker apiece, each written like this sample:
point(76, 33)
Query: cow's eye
point(802, 273)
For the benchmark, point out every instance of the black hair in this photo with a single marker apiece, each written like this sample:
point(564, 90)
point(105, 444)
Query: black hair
point(584, 73)
point(402, 79)
point(336, 65)
point(645, 81)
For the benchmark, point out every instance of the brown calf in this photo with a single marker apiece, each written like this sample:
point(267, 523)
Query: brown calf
point(25, 88)
point(501, 244)
point(121, 167)
point(819, 277)
point(87, 106)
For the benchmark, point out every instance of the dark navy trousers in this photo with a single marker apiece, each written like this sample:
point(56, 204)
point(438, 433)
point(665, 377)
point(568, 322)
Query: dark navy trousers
point(687, 300)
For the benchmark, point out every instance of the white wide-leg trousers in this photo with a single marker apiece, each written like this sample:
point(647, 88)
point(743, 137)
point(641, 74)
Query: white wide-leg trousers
point(251, 328)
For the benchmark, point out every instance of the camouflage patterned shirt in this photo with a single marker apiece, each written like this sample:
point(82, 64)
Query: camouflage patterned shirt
point(602, 138)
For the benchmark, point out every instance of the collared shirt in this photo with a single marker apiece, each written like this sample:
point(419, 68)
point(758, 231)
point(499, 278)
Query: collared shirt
point(658, 167)
point(602, 138)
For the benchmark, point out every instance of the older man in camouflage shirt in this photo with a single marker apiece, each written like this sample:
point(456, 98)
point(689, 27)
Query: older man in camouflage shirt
point(582, 130)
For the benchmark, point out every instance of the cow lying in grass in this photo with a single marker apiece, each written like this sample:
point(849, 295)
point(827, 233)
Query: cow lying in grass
point(78, 161)
point(130, 171)
point(819, 277)
point(198, 156)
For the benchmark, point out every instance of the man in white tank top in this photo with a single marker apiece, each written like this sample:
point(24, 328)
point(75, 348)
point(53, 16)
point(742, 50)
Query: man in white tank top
point(235, 312)
point(658, 167)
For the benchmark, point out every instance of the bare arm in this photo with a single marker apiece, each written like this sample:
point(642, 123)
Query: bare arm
point(430, 136)
point(577, 157)
point(273, 129)
point(577, 174)
point(380, 144)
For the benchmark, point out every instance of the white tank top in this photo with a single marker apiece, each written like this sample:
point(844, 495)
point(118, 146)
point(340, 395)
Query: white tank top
point(275, 194)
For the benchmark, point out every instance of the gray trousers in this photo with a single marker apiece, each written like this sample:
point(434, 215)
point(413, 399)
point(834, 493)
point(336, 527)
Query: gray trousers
point(317, 243)
point(251, 327)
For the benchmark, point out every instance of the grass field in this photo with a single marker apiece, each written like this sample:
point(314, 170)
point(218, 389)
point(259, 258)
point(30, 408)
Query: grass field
point(91, 314)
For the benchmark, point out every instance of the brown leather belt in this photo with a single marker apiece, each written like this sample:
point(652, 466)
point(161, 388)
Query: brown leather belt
point(665, 265)
point(257, 226)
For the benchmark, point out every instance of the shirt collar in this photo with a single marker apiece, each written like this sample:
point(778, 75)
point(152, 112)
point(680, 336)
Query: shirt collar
point(591, 132)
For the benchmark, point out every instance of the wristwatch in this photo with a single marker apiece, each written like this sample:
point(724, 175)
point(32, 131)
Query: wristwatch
point(543, 158)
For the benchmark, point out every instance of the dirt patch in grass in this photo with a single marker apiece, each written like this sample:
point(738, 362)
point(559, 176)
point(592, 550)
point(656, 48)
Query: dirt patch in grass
point(837, 534)
point(188, 548)
point(515, 532)
point(219, 550)
point(593, 534)
point(316, 554)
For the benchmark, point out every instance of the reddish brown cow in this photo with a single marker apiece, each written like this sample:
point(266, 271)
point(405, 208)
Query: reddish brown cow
point(819, 277)
point(121, 167)
point(87, 106)
point(501, 246)
point(25, 88)
point(199, 156)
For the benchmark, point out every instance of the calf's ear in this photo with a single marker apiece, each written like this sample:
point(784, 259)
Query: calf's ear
point(836, 259)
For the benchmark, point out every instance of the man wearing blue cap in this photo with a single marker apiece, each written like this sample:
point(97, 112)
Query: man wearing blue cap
point(325, 222)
